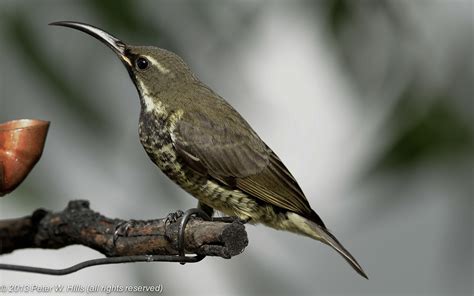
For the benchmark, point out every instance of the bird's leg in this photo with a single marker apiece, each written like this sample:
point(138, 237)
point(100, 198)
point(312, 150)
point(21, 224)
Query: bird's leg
point(210, 211)
point(207, 209)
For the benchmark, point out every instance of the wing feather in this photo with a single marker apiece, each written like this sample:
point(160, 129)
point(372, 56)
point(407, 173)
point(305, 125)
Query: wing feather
point(277, 186)
point(227, 149)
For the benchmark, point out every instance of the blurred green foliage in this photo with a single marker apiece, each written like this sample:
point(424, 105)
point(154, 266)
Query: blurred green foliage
point(425, 124)
point(419, 134)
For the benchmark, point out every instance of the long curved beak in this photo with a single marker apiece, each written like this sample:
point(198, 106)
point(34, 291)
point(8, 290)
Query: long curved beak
point(114, 43)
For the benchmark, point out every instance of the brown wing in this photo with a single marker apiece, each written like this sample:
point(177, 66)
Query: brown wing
point(219, 147)
point(227, 149)
point(275, 185)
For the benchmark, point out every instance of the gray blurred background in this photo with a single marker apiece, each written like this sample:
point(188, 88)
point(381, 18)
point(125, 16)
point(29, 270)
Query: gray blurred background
point(369, 103)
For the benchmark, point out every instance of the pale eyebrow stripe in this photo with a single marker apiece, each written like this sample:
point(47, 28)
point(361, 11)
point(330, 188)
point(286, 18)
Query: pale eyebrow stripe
point(160, 67)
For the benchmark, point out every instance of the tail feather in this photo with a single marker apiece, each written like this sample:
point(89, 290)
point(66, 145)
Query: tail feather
point(329, 239)
point(322, 234)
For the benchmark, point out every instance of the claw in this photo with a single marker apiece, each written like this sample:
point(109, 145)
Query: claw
point(173, 217)
point(122, 230)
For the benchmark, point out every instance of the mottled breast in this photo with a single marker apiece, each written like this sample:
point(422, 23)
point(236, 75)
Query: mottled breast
point(155, 131)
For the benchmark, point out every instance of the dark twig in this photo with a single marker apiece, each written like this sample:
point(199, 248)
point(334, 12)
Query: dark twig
point(102, 261)
point(151, 240)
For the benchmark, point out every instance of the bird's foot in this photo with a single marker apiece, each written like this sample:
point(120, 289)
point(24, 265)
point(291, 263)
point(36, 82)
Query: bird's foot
point(122, 228)
point(182, 226)
point(173, 217)
point(230, 219)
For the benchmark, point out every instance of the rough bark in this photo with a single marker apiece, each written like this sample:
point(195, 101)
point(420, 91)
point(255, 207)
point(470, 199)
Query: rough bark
point(78, 224)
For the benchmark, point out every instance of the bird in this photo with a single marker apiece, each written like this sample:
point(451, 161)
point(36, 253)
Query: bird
point(206, 147)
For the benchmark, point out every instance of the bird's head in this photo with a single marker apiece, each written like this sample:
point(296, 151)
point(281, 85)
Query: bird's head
point(152, 69)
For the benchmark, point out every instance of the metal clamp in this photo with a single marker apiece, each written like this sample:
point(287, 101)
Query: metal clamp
point(182, 226)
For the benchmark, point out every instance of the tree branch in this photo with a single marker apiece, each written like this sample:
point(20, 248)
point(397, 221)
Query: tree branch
point(78, 224)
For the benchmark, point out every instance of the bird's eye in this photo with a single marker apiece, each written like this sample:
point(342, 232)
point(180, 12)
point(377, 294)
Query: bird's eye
point(142, 63)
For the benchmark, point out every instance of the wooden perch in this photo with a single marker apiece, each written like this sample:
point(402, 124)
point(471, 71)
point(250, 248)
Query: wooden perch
point(78, 224)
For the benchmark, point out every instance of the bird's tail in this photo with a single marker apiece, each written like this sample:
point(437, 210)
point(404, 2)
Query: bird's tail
point(315, 231)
